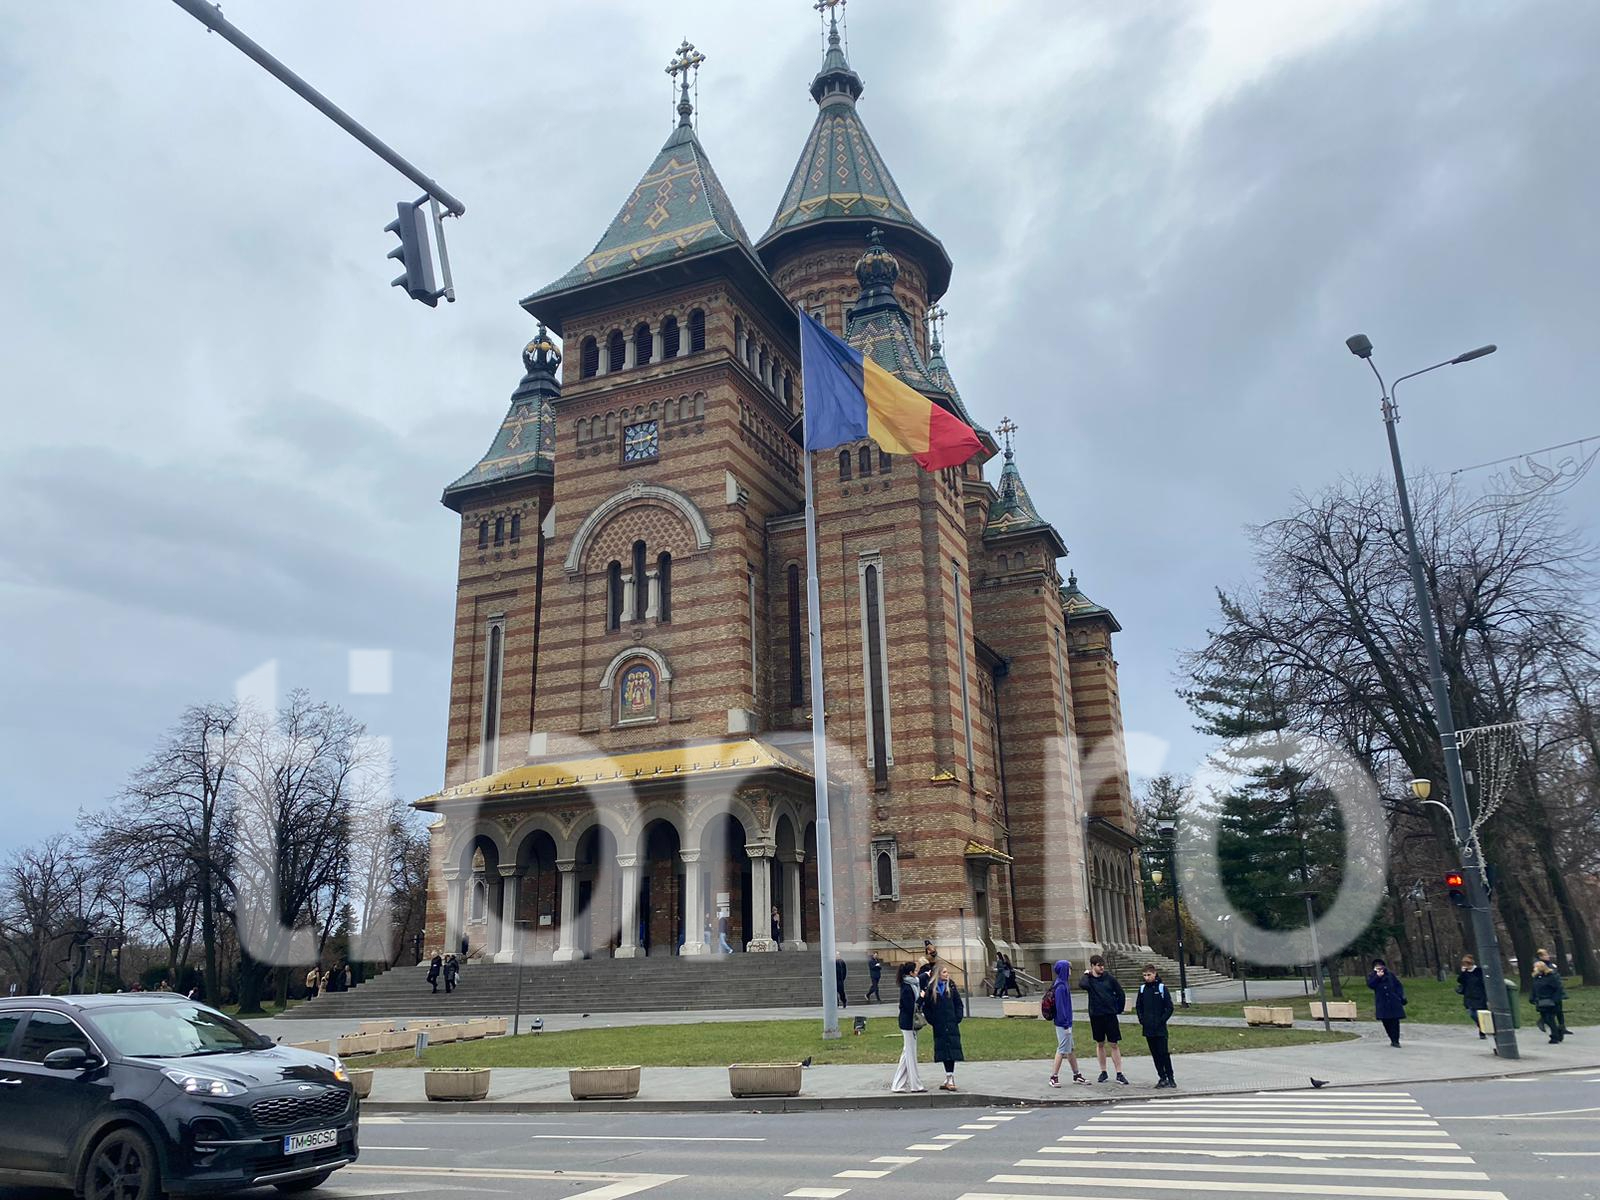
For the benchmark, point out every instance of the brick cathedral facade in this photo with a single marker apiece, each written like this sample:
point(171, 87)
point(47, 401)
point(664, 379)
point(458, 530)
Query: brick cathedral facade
point(629, 758)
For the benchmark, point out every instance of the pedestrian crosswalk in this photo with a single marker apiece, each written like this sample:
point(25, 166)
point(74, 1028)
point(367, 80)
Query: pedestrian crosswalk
point(1352, 1145)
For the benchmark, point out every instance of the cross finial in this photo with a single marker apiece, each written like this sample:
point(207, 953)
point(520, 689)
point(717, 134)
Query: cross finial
point(1007, 430)
point(831, 8)
point(686, 62)
point(936, 316)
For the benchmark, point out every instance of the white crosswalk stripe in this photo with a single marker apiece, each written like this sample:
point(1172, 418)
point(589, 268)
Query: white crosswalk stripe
point(1349, 1146)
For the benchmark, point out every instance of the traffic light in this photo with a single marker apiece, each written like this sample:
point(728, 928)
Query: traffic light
point(1456, 883)
point(414, 253)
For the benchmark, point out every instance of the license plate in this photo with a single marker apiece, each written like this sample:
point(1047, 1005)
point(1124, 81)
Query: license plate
point(321, 1139)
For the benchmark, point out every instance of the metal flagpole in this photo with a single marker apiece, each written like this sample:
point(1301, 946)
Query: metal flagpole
point(819, 752)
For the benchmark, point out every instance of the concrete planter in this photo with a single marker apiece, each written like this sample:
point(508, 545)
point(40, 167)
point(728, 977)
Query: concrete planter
point(362, 1082)
point(314, 1047)
point(376, 1027)
point(1338, 1010)
point(424, 1024)
point(1019, 1008)
point(363, 1043)
point(498, 1026)
point(1280, 1018)
point(399, 1040)
point(764, 1079)
point(456, 1083)
point(440, 1034)
point(603, 1083)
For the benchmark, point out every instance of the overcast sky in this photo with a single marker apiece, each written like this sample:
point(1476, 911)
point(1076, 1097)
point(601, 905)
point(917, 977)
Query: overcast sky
point(225, 435)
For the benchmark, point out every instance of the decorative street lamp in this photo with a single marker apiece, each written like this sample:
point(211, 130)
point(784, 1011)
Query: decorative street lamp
point(1169, 829)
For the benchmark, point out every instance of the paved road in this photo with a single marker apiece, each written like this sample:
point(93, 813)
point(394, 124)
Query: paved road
point(1533, 1139)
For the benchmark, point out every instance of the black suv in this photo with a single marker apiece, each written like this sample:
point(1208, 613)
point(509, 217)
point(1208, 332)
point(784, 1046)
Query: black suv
point(129, 1096)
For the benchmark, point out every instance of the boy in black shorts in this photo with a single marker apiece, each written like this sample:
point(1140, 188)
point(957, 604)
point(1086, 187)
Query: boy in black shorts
point(1106, 1000)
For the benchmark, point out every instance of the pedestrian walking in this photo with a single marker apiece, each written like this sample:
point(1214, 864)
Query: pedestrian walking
point(1547, 995)
point(435, 969)
point(839, 972)
point(875, 970)
point(1056, 1006)
point(722, 935)
point(777, 927)
point(1473, 991)
point(1106, 1002)
point(1011, 977)
point(1154, 1007)
point(942, 1007)
point(1543, 956)
point(1388, 999)
point(452, 971)
point(906, 1078)
point(313, 978)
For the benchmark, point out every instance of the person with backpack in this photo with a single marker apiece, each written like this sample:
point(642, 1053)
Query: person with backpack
point(1056, 1006)
point(1106, 1002)
point(1154, 1006)
point(906, 1078)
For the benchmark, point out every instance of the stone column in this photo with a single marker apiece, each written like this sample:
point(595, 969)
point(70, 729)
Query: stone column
point(652, 599)
point(452, 909)
point(630, 353)
point(627, 597)
point(658, 345)
point(628, 946)
point(510, 888)
point(760, 898)
point(694, 916)
point(794, 922)
point(565, 950)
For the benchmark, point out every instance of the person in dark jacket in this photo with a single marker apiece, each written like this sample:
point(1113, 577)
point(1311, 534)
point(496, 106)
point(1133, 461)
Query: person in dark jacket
point(906, 1078)
point(875, 970)
point(1547, 995)
point(452, 968)
point(941, 1005)
point(1154, 1006)
point(1472, 990)
point(1544, 957)
point(839, 972)
point(435, 969)
point(1388, 999)
point(1061, 1015)
point(1106, 1001)
point(1011, 977)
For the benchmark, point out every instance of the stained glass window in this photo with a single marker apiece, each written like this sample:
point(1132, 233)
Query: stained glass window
point(641, 442)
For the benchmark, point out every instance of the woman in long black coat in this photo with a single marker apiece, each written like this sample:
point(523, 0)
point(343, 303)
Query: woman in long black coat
point(1388, 999)
point(941, 1005)
point(1472, 990)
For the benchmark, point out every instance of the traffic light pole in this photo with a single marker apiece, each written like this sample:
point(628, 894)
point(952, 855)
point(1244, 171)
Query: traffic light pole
point(211, 17)
point(1473, 867)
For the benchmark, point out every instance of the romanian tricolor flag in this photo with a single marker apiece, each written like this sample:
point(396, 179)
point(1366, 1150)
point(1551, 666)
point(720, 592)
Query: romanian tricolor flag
point(849, 397)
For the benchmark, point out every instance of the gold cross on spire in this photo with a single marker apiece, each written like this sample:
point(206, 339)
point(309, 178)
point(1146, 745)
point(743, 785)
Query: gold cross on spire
point(936, 316)
point(1007, 430)
point(686, 62)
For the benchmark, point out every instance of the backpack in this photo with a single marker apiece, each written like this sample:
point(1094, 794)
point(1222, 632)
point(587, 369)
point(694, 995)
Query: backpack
point(1047, 1004)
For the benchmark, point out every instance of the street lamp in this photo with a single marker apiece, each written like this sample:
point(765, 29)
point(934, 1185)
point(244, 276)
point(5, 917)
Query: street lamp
point(1460, 815)
point(1169, 829)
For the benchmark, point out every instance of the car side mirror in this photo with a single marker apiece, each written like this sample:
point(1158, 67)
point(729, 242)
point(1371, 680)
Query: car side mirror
point(70, 1058)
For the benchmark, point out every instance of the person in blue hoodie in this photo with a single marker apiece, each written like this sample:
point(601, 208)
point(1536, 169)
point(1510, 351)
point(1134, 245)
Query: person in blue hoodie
point(1154, 1006)
point(1061, 1013)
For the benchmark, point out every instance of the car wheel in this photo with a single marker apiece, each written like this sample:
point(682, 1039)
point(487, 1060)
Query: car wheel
point(303, 1185)
point(122, 1166)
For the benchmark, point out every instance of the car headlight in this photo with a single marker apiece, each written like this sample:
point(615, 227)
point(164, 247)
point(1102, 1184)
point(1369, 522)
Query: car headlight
point(339, 1072)
point(202, 1085)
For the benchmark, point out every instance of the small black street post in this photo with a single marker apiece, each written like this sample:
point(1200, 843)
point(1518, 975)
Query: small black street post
point(1169, 827)
point(1473, 866)
point(1316, 956)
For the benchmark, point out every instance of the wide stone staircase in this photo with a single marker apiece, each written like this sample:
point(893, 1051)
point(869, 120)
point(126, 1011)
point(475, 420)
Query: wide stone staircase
point(783, 980)
point(1129, 970)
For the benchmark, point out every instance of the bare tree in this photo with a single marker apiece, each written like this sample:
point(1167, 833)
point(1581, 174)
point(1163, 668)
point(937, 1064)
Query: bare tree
point(50, 904)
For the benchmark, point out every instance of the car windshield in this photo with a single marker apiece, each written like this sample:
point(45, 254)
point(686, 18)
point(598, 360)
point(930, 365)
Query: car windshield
point(173, 1031)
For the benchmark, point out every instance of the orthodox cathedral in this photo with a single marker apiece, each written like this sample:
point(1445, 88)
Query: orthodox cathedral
point(630, 767)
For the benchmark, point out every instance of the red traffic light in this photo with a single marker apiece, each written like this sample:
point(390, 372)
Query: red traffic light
point(1455, 879)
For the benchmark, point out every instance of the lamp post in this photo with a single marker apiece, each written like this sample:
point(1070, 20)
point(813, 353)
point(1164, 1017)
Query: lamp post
point(1169, 828)
point(1472, 864)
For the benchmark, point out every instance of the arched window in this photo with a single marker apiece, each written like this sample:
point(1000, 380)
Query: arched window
point(797, 680)
point(614, 596)
point(639, 588)
point(483, 535)
point(669, 338)
point(643, 344)
point(885, 868)
point(491, 697)
point(480, 901)
point(864, 461)
point(844, 466)
point(885, 462)
point(616, 351)
point(516, 527)
point(589, 359)
point(788, 389)
point(697, 330)
point(877, 681)
point(499, 531)
point(664, 587)
point(739, 347)
point(699, 404)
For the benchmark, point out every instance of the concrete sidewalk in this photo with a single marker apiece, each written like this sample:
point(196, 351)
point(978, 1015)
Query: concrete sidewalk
point(1429, 1053)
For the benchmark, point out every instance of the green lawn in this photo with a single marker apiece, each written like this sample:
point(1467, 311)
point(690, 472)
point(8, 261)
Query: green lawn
point(716, 1044)
point(269, 1008)
point(1430, 1002)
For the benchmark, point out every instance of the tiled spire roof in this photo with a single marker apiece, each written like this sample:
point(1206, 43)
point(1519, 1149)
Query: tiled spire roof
point(840, 175)
point(1013, 512)
point(1079, 607)
point(939, 371)
point(525, 443)
point(879, 327)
